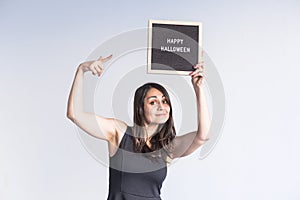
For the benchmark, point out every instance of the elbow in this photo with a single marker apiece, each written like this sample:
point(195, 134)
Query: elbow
point(70, 116)
point(200, 141)
point(73, 117)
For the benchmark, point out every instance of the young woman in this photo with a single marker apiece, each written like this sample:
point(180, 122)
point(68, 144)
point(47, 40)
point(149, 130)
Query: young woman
point(139, 154)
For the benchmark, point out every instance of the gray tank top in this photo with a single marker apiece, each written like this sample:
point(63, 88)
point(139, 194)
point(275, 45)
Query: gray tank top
point(134, 176)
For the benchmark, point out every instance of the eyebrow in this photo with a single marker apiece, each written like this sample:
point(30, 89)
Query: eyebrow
point(155, 97)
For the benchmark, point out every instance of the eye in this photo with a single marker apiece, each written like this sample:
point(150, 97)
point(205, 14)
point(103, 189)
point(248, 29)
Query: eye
point(152, 102)
point(165, 101)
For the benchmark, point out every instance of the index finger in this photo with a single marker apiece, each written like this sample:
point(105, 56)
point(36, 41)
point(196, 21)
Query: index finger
point(106, 59)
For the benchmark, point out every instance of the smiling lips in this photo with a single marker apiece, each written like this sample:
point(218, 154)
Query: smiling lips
point(163, 114)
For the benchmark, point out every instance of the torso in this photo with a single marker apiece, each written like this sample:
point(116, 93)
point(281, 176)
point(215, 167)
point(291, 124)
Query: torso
point(133, 175)
point(114, 144)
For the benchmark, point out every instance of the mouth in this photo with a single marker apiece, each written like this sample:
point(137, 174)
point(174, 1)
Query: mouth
point(163, 114)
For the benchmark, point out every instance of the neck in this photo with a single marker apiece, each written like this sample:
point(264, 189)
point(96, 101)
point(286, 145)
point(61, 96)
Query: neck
point(151, 129)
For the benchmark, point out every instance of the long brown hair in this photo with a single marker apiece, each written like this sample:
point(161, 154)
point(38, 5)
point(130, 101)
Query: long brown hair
point(161, 142)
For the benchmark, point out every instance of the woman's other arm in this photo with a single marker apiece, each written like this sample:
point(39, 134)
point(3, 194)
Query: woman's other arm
point(97, 126)
point(188, 143)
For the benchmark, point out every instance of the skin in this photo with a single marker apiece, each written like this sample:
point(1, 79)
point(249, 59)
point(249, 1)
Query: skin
point(156, 110)
point(112, 130)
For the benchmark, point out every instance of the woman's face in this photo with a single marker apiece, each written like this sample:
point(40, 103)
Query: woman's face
point(156, 108)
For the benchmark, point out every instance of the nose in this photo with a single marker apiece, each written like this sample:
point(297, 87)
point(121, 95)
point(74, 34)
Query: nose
point(161, 106)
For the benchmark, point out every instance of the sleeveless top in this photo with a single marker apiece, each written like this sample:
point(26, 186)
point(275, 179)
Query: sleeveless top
point(134, 176)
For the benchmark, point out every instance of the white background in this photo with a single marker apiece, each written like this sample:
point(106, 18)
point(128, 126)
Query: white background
point(254, 45)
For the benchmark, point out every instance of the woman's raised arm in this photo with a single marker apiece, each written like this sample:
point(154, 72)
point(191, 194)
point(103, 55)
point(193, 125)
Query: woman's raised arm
point(97, 126)
point(188, 143)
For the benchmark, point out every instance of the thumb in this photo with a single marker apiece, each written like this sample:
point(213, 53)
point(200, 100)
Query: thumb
point(99, 58)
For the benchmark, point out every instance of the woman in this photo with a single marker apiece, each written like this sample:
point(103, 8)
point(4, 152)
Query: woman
point(139, 154)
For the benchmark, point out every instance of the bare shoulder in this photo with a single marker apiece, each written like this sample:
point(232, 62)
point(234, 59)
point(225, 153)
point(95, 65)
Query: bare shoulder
point(115, 140)
point(183, 145)
point(120, 129)
point(106, 128)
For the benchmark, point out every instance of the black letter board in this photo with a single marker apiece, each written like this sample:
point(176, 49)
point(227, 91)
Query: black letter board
point(173, 46)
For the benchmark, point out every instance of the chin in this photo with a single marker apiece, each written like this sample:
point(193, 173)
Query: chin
point(159, 120)
point(162, 121)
